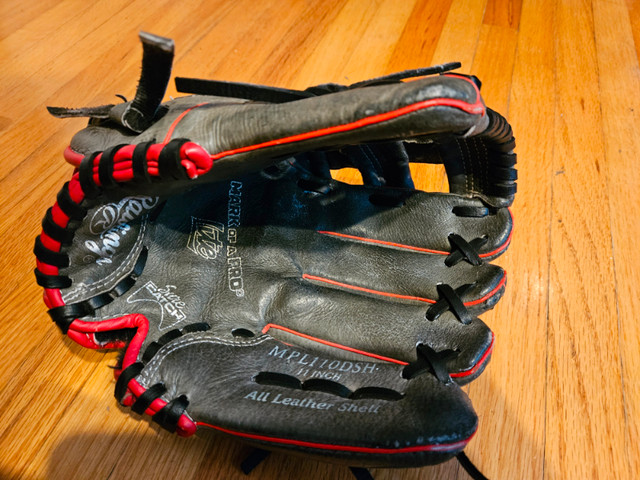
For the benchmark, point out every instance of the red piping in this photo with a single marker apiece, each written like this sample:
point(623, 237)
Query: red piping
point(316, 278)
point(382, 242)
point(442, 447)
point(331, 344)
point(465, 373)
point(475, 108)
point(306, 276)
point(478, 364)
point(504, 245)
point(490, 294)
point(175, 123)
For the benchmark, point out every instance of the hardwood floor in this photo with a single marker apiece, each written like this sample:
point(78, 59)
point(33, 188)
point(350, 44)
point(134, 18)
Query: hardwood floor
point(561, 397)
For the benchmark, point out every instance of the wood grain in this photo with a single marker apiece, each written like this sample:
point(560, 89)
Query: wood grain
point(561, 397)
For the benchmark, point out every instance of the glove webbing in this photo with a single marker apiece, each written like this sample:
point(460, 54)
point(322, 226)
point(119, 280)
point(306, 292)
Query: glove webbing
point(488, 161)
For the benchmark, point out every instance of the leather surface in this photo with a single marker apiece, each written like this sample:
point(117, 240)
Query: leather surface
point(319, 297)
point(246, 136)
point(324, 295)
point(261, 254)
point(218, 378)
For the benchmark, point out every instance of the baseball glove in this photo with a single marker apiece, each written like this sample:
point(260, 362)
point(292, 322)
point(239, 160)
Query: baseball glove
point(254, 295)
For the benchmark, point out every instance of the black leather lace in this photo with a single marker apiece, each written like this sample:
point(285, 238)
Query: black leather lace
point(170, 414)
point(262, 93)
point(450, 299)
point(258, 455)
point(463, 250)
point(428, 360)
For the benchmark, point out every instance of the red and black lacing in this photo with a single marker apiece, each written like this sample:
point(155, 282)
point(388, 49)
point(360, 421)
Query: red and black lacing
point(144, 163)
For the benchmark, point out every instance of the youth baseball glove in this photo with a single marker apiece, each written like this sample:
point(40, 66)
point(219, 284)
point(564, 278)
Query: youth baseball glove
point(254, 295)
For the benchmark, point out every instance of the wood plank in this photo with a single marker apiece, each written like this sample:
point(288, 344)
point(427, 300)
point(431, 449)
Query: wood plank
point(493, 64)
point(634, 17)
point(233, 48)
point(16, 13)
point(298, 44)
point(583, 410)
point(515, 429)
point(459, 37)
point(384, 30)
point(618, 74)
point(503, 13)
point(341, 38)
point(561, 396)
point(420, 36)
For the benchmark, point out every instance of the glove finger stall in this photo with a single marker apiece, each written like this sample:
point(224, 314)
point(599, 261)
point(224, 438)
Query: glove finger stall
point(285, 397)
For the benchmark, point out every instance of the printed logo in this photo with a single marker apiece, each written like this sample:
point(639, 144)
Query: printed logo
point(311, 366)
point(126, 210)
point(170, 305)
point(208, 239)
point(234, 261)
point(205, 238)
point(310, 402)
point(106, 245)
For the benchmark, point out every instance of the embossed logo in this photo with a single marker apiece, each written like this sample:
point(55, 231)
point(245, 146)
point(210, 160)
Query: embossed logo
point(205, 238)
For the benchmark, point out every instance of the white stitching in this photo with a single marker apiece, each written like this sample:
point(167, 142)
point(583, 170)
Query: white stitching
point(84, 289)
point(192, 338)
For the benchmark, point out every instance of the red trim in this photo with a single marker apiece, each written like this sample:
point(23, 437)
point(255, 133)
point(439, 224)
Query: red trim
point(195, 160)
point(306, 276)
point(82, 332)
point(411, 247)
point(175, 123)
point(331, 344)
point(475, 108)
point(72, 157)
point(501, 248)
point(137, 321)
point(465, 373)
point(316, 278)
point(490, 294)
point(442, 447)
point(49, 242)
point(473, 84)
point(53, 297)
point(46, 268)
point(483, 359)
point(382, 242)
